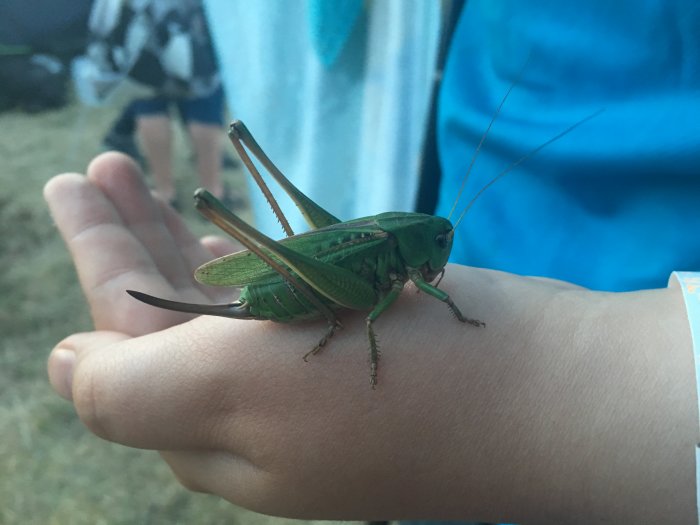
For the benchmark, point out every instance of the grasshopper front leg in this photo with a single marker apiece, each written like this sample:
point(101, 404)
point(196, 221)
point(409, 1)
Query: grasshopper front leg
point(417, 278)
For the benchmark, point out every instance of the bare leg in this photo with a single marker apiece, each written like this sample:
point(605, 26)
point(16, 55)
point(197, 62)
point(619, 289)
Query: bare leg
point(155, 135)
point(206, 140)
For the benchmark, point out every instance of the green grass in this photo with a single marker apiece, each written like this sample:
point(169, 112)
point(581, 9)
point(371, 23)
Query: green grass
point(52, 470)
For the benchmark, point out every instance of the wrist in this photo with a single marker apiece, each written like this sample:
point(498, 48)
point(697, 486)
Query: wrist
point(622, 403)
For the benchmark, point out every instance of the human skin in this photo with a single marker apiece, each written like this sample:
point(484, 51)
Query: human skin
point(156, 140)
point(570, 406)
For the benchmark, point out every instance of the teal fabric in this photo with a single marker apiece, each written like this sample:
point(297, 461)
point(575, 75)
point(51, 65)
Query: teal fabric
point(330, 25)
point(614, 205)
point(350, 135)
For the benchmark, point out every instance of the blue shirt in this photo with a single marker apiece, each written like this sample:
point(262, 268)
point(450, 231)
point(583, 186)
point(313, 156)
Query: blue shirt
point(613, 205)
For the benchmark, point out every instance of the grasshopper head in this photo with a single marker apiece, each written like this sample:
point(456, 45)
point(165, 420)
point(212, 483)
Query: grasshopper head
point(424, 241)
point(440, 248)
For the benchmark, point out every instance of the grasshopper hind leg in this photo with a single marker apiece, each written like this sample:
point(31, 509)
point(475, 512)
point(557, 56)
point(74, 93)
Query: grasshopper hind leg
point(373, 354)
point(332, 327)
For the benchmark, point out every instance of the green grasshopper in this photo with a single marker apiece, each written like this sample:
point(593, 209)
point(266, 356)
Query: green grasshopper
point(362, 264)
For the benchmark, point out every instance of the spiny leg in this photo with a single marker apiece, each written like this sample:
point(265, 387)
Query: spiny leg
point(417, 278)
point(240, 135)
point(315, 215)
point(380, 307)
point(332, 326)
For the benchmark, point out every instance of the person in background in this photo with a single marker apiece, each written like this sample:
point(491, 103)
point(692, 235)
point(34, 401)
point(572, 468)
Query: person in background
point(167, 47)
point(151, 120)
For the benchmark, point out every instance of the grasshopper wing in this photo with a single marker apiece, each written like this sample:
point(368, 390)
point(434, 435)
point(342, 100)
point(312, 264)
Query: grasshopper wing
point(337, 284)
point(329, 245)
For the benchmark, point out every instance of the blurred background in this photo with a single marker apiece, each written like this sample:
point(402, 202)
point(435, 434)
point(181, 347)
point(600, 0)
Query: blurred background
point(52, 471)
point(341, 94)
point(309, 89)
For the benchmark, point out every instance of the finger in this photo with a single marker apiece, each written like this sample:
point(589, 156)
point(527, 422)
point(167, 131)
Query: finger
point(162, 391)
point(192, 249)
point(62, 360)
point(60, 368)
point(108, 257)
point(121, 181)
point(189, 386)
point(220, 246)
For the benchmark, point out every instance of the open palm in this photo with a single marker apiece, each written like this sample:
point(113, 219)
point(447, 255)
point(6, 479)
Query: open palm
point(122, 238)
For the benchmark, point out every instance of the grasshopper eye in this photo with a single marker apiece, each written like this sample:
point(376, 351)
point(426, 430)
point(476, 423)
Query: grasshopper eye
point(441, 240)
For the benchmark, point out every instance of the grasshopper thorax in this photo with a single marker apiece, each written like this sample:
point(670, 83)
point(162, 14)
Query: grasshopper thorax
point(423, 241)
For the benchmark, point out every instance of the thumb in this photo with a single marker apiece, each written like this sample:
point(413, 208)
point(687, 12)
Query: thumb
point(62, 360)
point(150, 391)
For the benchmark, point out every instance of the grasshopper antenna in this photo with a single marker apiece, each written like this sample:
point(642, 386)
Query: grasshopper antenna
point(523, 159)
point(485, 134)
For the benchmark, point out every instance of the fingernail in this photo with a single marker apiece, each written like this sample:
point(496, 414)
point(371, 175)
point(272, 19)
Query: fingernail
point(60, 368)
